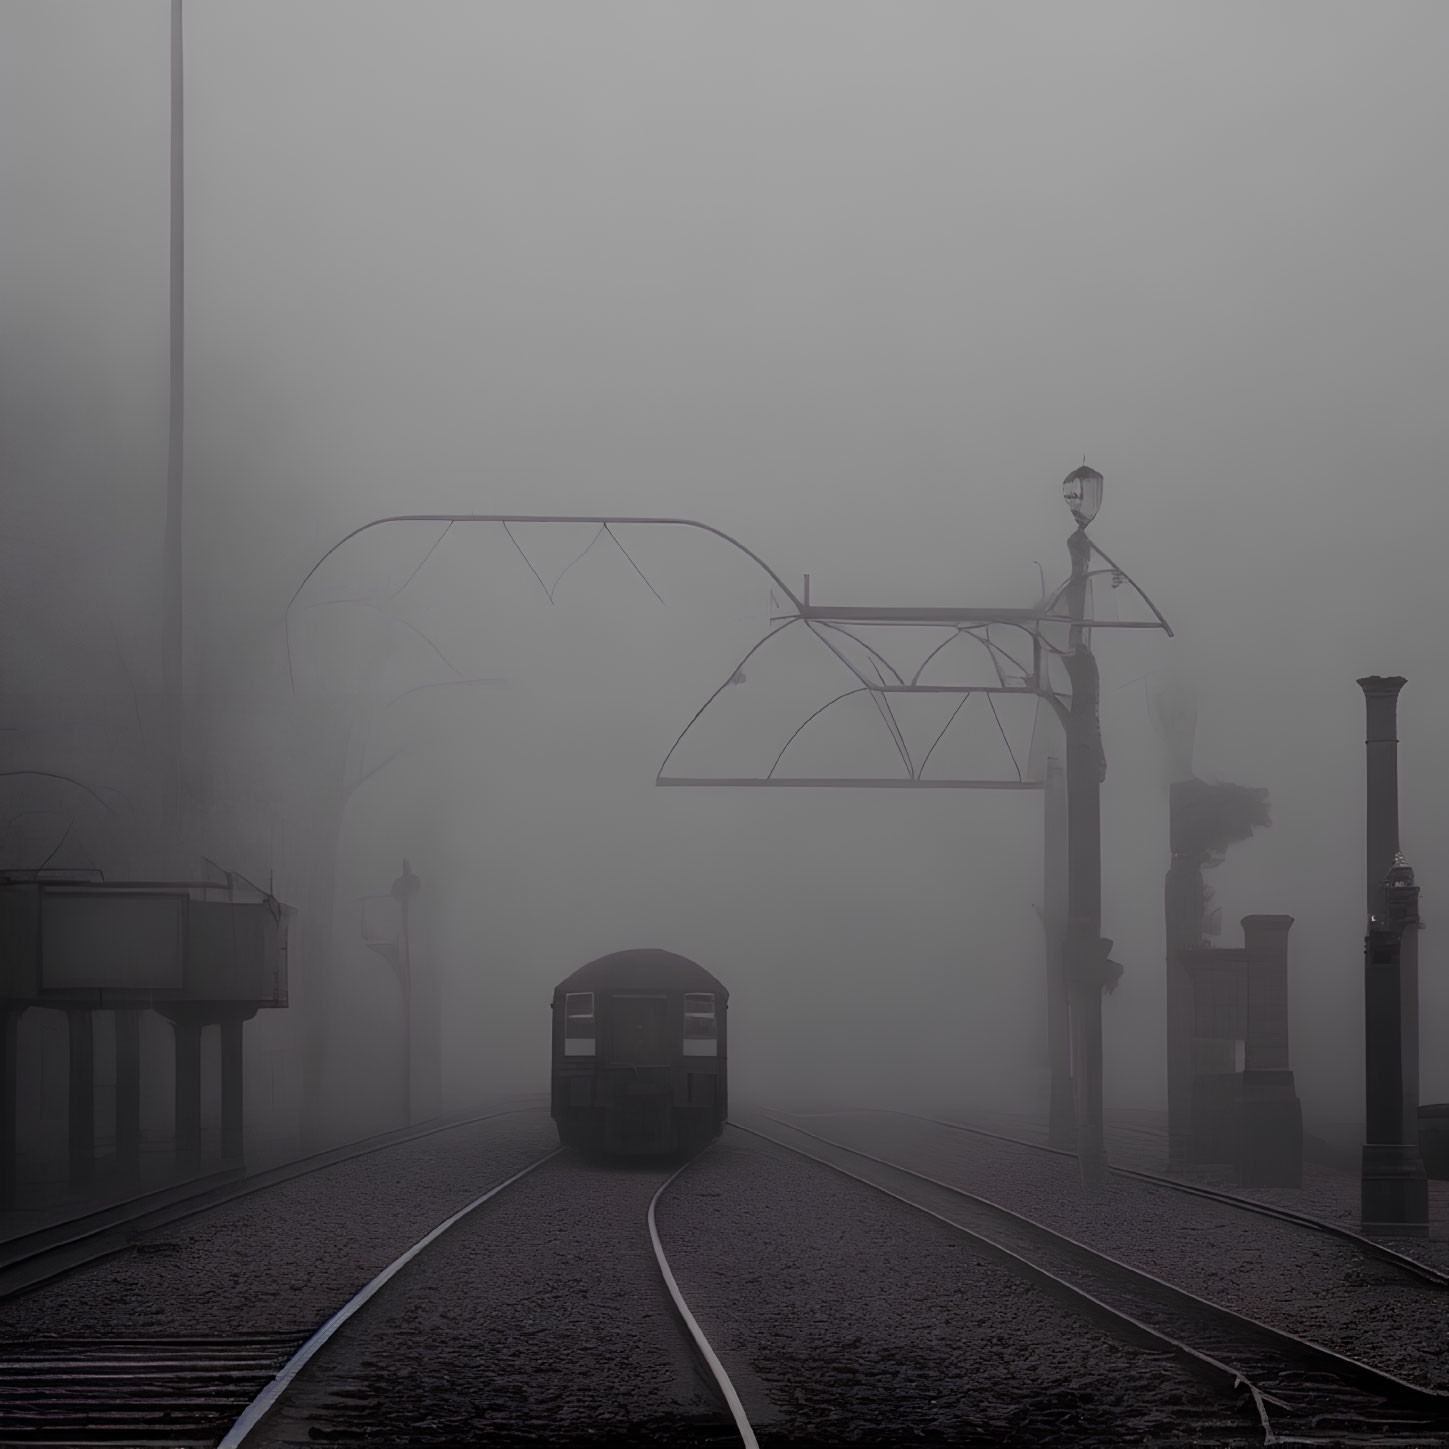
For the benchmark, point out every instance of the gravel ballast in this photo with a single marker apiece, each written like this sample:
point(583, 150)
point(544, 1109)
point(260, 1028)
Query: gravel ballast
point(1293, 1277)
point(847, 1319)
point(284, 1258)
point(540, 1319)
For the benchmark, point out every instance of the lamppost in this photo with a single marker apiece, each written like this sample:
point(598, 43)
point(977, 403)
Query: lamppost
point(404, 888)
point(1394, 1196)
point(1085, 962)
point(398, 956)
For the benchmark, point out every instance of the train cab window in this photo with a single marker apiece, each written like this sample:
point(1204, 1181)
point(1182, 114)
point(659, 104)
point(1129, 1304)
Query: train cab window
point(579, 1032)
point(637, 1029)
point(701, 1026)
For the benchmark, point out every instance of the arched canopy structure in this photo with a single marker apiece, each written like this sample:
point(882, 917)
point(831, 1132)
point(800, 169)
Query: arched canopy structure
point(1020, 645)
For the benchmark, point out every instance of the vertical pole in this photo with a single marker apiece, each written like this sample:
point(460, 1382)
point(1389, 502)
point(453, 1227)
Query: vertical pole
point(1381, 746)
point(407, 993)
point(1085, 950)
point(82, 1103)
point(1061, 1124)
point(188, 1092)
point(128, 1094)
point(9, 1104)
point(171, 645)
point(231, 1090)
point(404, 888)
point(1394, 1190)
point(1183, 921)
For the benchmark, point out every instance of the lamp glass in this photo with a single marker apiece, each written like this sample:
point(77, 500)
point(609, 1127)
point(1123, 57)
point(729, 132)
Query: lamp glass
point(1082, 489)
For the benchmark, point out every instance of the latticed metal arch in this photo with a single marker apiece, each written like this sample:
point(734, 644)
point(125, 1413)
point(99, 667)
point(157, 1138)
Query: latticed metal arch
point(822, 621)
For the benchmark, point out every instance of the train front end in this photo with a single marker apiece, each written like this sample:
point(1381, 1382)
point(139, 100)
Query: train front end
point(639, 1056)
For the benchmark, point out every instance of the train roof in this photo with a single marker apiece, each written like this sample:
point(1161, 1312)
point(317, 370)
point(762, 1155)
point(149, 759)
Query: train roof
point(645, 969)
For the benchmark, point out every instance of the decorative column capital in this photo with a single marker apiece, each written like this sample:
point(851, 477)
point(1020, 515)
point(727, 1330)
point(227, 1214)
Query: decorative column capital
point(1382, 686)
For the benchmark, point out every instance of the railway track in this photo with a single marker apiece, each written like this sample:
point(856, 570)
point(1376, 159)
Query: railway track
point(244, 1431)
point(1371, 1247)
point(29, 1260)
point(1298, 1391)
point(140, 1388)
point(132, 1390)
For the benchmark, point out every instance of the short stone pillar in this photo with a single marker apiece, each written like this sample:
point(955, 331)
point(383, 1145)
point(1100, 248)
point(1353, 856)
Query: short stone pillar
point(1216, 976)
point(1270, 1136)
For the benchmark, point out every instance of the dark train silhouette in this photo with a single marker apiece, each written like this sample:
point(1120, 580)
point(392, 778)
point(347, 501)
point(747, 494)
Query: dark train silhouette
point(639, 1055)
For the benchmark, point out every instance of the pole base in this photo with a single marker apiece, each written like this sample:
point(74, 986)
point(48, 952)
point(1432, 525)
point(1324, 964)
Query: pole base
point(1062, 1121)
point(1394, 1196)
point(1092, 1155)
point(1092, 1165)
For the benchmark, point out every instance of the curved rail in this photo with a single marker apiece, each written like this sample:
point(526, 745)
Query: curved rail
point(1371, 1246)
point(267, 1400)
point(1155, 1292)
point(716, 1368)
point(32, 1259)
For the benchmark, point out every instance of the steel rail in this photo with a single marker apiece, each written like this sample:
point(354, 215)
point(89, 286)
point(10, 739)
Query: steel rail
point(1290, 1346)
point(1371, 1246)
point(268, 1399)
point(1060, 1287)
point(30, 1260)
point(691, 1324)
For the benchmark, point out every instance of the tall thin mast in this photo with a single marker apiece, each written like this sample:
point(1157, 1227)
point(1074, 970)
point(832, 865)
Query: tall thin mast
point(171, 658)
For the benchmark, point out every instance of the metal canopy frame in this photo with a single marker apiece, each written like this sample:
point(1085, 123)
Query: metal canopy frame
point(829, 624)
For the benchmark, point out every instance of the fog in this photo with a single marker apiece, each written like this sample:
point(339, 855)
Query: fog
point(857, 284)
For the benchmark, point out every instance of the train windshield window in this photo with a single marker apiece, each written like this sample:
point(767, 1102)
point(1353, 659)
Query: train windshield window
point(638, 1030)
point(701, 1027)
point(579, 1030)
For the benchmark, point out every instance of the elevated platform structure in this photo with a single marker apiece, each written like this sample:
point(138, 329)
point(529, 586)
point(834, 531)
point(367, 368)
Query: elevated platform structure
point(82, 945)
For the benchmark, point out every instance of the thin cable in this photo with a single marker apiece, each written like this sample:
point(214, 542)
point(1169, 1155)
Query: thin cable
point(635, 566)
point(526, 560)
point(575, 559)
point(424, 560)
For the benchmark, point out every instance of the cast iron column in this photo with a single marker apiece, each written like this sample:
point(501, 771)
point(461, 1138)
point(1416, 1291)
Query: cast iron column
point(1086, 952)
point(404, 888)
point(1061, 1128)
point(1182, 902)
point(1394, 1198)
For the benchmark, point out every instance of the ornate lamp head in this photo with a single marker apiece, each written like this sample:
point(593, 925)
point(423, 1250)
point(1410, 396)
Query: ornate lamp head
point(1082, 489)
